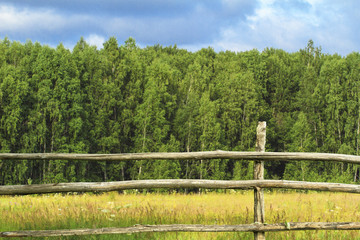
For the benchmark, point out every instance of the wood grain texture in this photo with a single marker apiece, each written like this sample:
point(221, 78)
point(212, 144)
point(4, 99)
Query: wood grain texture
point(219, 154)
point(174, 183)
point(294, 226)
point(259, 202)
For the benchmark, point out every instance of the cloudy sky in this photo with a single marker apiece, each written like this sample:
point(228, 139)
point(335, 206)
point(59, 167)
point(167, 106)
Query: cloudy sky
point(236, 25)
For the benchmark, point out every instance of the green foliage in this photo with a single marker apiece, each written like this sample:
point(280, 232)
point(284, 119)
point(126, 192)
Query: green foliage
point(124, 98)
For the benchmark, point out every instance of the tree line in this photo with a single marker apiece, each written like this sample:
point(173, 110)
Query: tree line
point(128, 99)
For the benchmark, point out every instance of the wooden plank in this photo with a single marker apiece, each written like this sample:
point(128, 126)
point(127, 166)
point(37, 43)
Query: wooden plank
point(292, 226)
point(219, 154)
point(259, 203)
point(174, 183)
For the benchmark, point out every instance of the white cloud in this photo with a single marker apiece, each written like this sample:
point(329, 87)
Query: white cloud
point(278, 24)
point(14, 20)
point(314, 2)
point(95, 40)
point(41, 21)
point(267, 27)
point(234, 40)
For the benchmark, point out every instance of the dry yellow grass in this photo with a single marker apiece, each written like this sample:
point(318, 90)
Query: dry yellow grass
point(59, 211)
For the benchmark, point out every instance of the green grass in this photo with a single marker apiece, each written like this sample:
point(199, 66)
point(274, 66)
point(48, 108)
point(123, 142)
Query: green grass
point(59, 211)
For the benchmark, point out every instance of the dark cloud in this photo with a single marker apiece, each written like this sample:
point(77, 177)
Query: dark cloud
point(199, 25)
point(136, 8)
point(157, 21)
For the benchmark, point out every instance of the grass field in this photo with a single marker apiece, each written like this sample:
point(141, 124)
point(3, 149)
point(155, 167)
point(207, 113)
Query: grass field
point(59, 211)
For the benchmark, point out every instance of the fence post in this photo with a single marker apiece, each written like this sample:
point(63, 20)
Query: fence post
point(259, 208)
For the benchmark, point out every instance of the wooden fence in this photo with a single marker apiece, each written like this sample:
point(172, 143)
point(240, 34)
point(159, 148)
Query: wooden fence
point(259, 227)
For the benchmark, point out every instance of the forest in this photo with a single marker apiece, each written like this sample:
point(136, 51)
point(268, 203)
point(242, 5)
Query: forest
point(123, 98)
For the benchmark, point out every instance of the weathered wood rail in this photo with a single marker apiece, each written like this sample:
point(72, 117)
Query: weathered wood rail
point(258, 184)
point(277, 227)
point(174, 183)
point(219, 154)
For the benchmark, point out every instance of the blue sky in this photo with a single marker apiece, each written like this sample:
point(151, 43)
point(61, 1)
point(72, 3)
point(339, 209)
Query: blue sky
point(236, 25)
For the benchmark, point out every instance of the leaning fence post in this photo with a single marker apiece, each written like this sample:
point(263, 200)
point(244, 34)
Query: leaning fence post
point(259, 208)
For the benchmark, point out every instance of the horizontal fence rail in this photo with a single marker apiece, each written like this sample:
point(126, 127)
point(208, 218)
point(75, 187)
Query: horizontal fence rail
point(175, 183)
point(219, 154)
point(255, 227)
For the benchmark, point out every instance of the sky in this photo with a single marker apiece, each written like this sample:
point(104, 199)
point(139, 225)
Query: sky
point(235, 25)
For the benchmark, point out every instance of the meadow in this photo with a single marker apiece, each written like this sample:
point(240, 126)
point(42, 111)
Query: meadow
point(64, 211)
